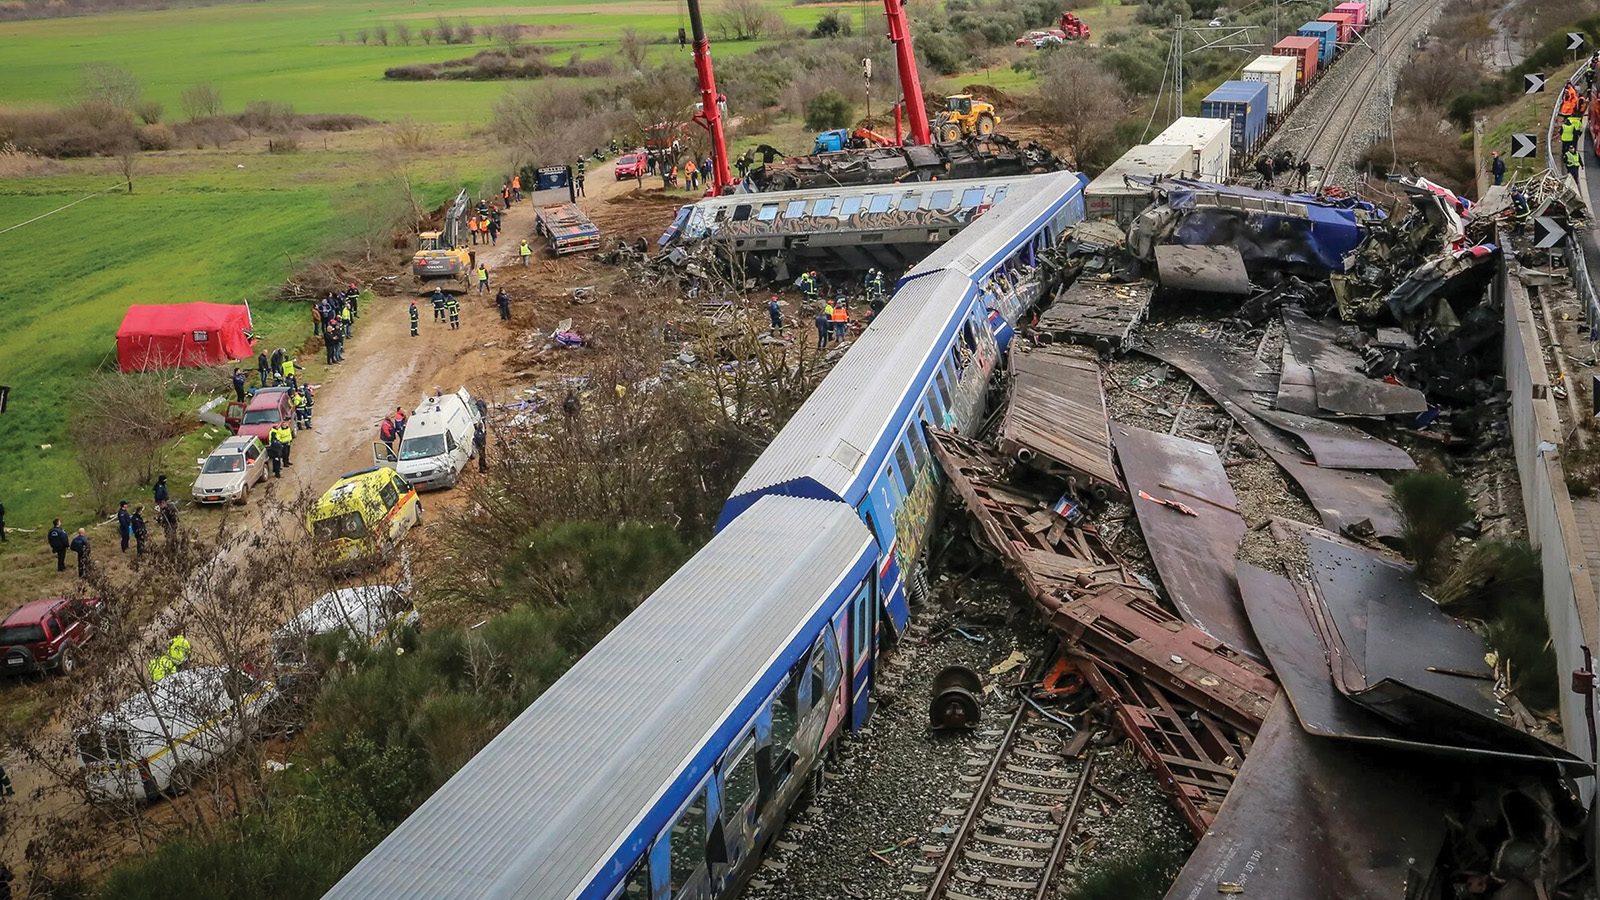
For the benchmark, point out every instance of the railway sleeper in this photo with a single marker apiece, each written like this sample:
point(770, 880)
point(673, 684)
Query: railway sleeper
point(975, 856)
point(1029, 789)
point(991, 881)
point(1012, 842)
point(1024, 826)
point(1058, 774)
point(1017, 804)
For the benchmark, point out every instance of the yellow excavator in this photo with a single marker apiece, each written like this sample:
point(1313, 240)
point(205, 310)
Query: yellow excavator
point(442, 259)
point(965, 116)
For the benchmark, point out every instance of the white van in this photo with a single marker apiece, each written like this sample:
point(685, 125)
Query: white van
point(156, 741)
point(438, 442)
point(370, 613)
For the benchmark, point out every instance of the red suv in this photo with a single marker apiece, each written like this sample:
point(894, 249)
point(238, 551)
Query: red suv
point(630, 165)
point(45, 635)
point(269, 407)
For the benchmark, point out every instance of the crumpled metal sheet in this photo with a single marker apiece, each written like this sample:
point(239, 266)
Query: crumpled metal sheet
point(1193, 554)
point(1214, 269)
point(1313, 819)
point(1342, 386)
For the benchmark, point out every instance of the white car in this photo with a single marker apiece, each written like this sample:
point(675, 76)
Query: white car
point(369, 613)
point(155, 742)
point(228, 473)
point(437, 444)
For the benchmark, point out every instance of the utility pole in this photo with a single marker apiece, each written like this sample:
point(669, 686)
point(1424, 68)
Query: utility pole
point(1177, 62)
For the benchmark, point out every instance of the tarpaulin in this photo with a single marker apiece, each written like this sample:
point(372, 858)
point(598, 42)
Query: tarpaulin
point(182, 334)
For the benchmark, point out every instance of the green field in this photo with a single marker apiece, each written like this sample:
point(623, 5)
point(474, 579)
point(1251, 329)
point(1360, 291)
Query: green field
point(290, 52)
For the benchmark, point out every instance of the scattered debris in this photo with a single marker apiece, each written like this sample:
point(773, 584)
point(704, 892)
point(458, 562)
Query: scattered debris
point(1056, 420)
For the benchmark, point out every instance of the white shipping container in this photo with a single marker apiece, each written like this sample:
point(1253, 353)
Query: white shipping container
point(1109, 196)
point(1209, 141)
point(1278, 73)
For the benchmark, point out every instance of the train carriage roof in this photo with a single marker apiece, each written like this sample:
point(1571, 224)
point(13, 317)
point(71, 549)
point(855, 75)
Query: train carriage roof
point(546, 804)
point(976, 251)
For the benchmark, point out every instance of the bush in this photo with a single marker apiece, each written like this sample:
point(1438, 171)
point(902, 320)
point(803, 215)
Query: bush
point(265, 115)
point(285, 144)
point(149, 112)
point(89, 129)
point(1432, 506)
point(156, 137)
point(828, 109)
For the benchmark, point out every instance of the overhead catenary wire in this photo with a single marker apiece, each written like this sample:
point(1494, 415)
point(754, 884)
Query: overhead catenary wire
point(60, 208)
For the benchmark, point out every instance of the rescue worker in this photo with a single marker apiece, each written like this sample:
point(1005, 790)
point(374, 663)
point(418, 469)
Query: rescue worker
point(275, 450)
point(284, 435)
point(354, 297)
point(824, 328)
point(179, 651)
point(58, 544)
point(140, 530)
point(1520, 213)
point(581, 166)
point(311, 401)
point(483, 278)
point(503, 300)
point(581, 191)
point(1569, 134)
point(400, 419)
point(874, 286)
point(386, 433)
point(1498, 167)
point(124, 524)
point(808, 285)
point(453, 306)
point(1264, 169)
point(472, 229)
point(775, 315)
point(691, 175)
point(80, 546)
point(297, 400)
point(167, 517)
point(238, 384)
point(1569, 100)
point(516, 187)
point(288, 374)
point(438, 304)
point(524, 251)
point(841, 319)
point(1573, 161)
point(413, 314)
point(161, 667)
point(480, 440)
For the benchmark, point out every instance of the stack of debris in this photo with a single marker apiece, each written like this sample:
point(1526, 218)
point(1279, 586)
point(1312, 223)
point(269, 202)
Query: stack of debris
point(1325, 730)
point(972, 157)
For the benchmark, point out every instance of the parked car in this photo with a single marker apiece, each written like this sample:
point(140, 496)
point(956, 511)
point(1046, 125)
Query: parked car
point(368, 613)
point(44, 636)
point(630, 165)
point(363, 516)
point(1037, 39)
point(438, 442)
point(156, 741)
point(267, 408)
point(227, 474)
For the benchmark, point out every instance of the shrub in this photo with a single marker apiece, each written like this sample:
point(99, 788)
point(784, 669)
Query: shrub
point(285, 144)
point(1432, 506)
point(828, 109)
point(149, 112)
point(156, 137)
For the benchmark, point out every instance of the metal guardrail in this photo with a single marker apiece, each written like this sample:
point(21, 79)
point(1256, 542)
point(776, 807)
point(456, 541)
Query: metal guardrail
point(1577, 257)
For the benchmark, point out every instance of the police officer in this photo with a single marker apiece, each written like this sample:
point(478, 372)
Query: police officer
point(1573, 161)
point(140, 531)
point(503, 300)
point(80, 546)
point(275, 452)
point(413, 318)
point(480, 440)
point(297, 399)
point(160, 492)
point(58, 544)
point(284, 435)
point(238, 384)
point(824, 329)
point(124, 524)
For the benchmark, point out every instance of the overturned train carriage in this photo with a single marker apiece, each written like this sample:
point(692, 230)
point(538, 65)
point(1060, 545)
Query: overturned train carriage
point(663, 763)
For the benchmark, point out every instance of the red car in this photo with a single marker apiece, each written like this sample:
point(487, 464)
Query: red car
point(267, 408)
point(630, 165)
point(45, 635)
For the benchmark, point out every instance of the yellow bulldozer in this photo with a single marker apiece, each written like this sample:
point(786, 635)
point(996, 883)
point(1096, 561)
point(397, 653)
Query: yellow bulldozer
point(964, 116)
point(442, 260)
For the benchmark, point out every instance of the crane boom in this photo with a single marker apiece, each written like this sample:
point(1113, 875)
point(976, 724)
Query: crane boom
point(906, 60)
point(710, 116)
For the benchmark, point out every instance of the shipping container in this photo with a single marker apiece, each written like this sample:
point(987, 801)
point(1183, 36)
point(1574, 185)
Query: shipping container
point(1376, 10)
point(1111, 197)
point(1327, 34)
point(1358, 10)
point(1278, 73)
point(1244, 103)
point(1345, 21)
point(1207, 140)
point(1305, 51)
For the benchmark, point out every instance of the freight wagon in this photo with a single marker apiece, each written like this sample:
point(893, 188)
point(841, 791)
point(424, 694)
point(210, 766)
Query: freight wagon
point(1344, 21)
point(1110, 196)
point(1327, 34)
point(1357, 10)
point(1306, 51)
point(1278, 73)
point(1244, 103)
point(1207, 140)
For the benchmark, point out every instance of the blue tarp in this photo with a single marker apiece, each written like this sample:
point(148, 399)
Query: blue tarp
point(1316, 241)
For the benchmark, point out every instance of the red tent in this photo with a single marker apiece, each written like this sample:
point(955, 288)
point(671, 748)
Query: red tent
point(182, 334)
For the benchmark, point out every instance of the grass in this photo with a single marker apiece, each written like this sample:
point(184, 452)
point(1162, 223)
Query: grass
point(289, 51)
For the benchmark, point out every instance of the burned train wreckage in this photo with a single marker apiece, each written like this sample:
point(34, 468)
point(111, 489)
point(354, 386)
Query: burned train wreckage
point(974, 157)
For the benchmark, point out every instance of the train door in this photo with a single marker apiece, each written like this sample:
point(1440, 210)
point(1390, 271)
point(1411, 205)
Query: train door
point(863, 644)
point(741, 791)
point(692, 861)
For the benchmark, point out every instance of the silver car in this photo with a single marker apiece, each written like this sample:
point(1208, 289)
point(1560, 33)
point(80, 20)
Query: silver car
point(227, 474)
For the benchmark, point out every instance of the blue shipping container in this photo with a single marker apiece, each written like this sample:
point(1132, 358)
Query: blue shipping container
point(1243, 102)
point(1327, 34)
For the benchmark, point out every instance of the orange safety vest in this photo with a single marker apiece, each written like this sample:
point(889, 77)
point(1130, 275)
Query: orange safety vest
point(841, 314)
point(1569, 100)
point(516, 183)
point(689, 166)
point(472, 224)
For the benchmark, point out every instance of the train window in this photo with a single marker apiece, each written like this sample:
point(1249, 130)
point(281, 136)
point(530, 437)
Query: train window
point(936, 403)
point(999, 194)
point(794, 209)
point(689, 842)
point(862, 629)
point(972, 198)
point(943, 377)
point(910, 202)
point(902, 464)
point(919, 447)
point(637, 884)
point(968, 338)
point(819, 671)
point(941, 200)
point(850, 206)
point(824, 207)
point(769, 211)
point(739, 777)
point(741, 212)
point(784, 714)
point(880, 203)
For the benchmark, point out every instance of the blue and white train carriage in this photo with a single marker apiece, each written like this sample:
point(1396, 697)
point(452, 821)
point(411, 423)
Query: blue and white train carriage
point(661, 765)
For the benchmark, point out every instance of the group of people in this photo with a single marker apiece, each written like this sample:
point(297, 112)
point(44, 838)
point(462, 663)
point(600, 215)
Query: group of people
point(392, 429)
point(277, 370)
point(1570, 127)
point(1296, 174)
point(334, 318)
point(176, 658)
point(131, 530)
point(485, 224)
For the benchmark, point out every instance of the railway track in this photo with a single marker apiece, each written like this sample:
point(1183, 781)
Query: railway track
point(1022, 811)
point(1331, 137)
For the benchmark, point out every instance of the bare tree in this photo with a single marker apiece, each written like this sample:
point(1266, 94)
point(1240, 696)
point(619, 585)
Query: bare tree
point(522, 120)
point(113, 85)
point(745, 20)
point(661, 96)
point(634, 48)
point(402, 34)
point(381, 31)
point(427, 35)
point(127, 160)
point(447, 31)
point(465, 32)
point(202, 101)
point(363, 36)
point(149, 112)
point(1079, 101)
point(1436, 75)
point(509, 34)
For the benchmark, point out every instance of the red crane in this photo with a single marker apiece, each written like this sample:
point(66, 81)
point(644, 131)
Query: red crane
point(906, 60)
point(710, 115)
